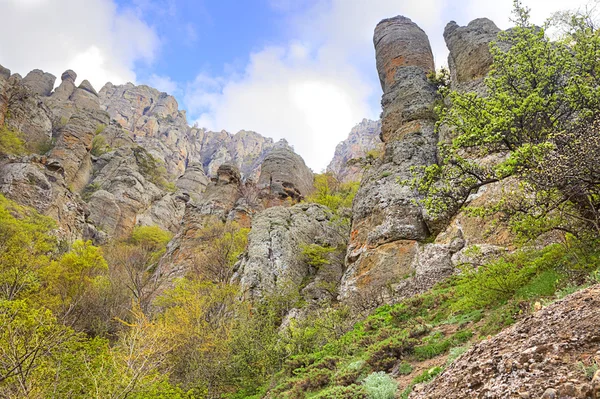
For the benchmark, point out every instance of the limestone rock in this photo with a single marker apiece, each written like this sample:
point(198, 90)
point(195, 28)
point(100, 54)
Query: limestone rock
point(193, 182)
point(39, 183)
point(154, 122)
point(274, 258)
point(39, 82)
point(363, 138)
point(217, 204)
point(284, 174)
point(124, 193)
point(469, 57)
point(67, 86)
point(4, 73)
point(85, 96)
point(536, 356)
point(387, 224)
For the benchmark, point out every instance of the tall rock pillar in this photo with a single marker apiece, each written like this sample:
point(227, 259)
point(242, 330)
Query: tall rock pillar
point(387, 223)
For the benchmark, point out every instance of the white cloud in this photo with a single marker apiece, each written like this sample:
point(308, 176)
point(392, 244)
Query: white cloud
point(312, 90)
point(93, 37)
point(163, 83)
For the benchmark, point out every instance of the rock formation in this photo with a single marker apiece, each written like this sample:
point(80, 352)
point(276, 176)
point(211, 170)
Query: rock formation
point(363, 138)
point(274, 260)
point(156, 123)
point(535, 358)
point(386, 223)
point(284, 174)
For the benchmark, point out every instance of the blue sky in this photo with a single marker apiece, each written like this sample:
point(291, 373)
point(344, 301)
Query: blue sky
point(303, 70)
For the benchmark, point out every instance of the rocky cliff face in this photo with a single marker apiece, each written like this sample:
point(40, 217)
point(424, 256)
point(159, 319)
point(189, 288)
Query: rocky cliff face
point(363, 138)
point(154, 121)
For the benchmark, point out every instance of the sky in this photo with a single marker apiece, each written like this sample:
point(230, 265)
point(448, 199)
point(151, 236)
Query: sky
point(303, 70)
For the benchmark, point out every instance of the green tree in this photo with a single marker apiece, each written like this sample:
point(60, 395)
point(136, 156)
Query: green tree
point(538, 93)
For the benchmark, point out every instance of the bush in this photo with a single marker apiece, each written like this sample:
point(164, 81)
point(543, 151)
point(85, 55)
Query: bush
point(150, 237)
point(349, 392)
point(380, 386)
point(385, 354)
point(99, 146)
point(11, 142)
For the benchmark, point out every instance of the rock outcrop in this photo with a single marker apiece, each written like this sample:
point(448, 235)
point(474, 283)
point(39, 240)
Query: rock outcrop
point(470, 58)
point(274, 260)
point(535, 358)
point(387, 225)
point(219, 203)
point(284, 174)
point(155, 122)
point(364, 138)
point(39, 82)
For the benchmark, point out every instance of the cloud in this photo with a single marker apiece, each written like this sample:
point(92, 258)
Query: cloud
point(95, 38)
point(314, 88)
point(163, 83)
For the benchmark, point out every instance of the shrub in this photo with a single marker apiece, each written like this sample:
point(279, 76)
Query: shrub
point(380, 386)
point(89, 190)
point(384, 355)
point(350, 392)
point(314, 380)
point(11, 142)
point(405, 368)
point(151, 237)
point(99, 146)
point(316, 255)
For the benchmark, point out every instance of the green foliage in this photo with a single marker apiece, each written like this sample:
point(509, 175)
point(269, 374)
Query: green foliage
point(89, 190)
point(380, 386)
point(43, 147)
point(537, 118)
point(316, 255)
point(11, 142)
point(405, 368)
point(99, 146)
point(100, 128)
point(383, 355)
point(151, 237)
point(333, 194)
point(346, 392)
point(153, 169)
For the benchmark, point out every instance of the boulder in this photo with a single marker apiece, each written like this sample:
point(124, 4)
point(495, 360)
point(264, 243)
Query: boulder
point(67, 86)
point(193, 182)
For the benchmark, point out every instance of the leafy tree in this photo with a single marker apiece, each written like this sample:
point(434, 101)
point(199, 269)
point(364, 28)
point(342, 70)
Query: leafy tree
point(219, 246)
point(25, 248)
point(541, 97)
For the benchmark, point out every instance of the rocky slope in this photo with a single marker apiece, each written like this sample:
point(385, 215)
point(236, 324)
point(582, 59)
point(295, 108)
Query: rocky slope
point(535, 358)
point(364, 138)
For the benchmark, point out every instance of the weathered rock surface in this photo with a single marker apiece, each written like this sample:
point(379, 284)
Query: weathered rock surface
point(386, 223)
point(39, 182)
point(362, 139)
point(284, 174)
point(124, 191)
point(39, 82)
point(469, 58)
point(154, 122)
point(535, 358)
point(66, 87)
point(274, 258)
point(217, 204)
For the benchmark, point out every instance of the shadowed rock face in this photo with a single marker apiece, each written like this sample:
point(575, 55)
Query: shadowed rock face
point(386, 223)
point(39, 82)
point(284, 174)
